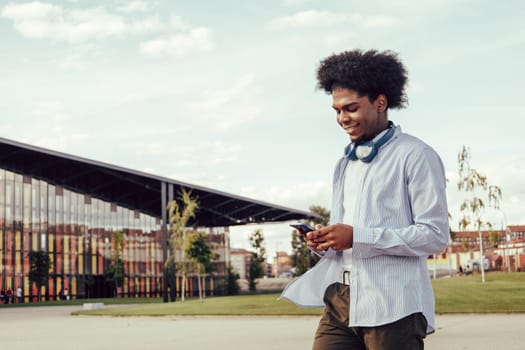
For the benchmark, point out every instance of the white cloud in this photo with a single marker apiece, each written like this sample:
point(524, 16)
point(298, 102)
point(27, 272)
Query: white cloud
point(47, 21)
point(76, 59)
point(147, 25)
point(59, 126)
point(196, 40)
point(31, 11)
point(183, 155)
point(315, 18)
point(227, 108)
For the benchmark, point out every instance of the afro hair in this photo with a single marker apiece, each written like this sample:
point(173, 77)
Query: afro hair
point(370, 73)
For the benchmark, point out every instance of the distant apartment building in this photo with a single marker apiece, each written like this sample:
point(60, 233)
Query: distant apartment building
point(282, 265)
point(502, 249)
point(240, 260)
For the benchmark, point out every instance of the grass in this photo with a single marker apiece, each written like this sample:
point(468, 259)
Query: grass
point(501, 293)
point(240, 305)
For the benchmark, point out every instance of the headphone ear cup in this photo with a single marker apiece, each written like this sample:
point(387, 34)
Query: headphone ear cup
point(367, 151)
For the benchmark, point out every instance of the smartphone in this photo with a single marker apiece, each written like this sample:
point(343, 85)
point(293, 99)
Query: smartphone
point(303, 228)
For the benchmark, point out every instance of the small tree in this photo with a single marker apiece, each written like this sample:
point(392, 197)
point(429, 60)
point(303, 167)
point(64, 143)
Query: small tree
point(114, 273)
point(39, 269)
point(178, 219)
point(258, 257)
point(89, 281)
point(199, 251)
point(473, 208)
point(232, 282)
point(302, 257)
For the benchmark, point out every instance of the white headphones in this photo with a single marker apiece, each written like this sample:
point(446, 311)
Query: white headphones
point(367, 150)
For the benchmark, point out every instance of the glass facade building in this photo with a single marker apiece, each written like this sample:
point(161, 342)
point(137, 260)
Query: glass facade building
point(69, 207)
point(75, 229)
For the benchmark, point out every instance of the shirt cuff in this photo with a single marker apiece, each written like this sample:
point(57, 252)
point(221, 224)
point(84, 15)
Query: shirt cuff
point(364, 241)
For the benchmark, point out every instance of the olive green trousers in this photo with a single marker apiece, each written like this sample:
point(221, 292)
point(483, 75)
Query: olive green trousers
point(333, 332)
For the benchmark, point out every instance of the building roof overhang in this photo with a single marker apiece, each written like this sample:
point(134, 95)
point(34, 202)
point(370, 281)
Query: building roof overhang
point(137, 190)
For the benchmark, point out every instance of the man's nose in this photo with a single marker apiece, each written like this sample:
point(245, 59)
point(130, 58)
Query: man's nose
point(342, 117)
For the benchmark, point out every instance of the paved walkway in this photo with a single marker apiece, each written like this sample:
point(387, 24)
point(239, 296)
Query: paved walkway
point(52, 328)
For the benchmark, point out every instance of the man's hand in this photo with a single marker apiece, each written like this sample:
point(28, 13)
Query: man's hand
point(337, 237)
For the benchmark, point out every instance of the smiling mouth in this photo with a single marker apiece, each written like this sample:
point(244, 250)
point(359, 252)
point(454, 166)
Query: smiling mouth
point(350, 129)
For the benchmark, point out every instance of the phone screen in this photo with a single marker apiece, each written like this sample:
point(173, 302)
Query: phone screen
point(303, 228)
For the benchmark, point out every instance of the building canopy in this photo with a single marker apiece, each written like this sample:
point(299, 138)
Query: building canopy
point(137, 190)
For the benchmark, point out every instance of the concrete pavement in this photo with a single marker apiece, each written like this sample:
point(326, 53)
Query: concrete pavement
point(51, 328)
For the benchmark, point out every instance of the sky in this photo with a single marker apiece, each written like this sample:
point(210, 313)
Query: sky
point(222, 94)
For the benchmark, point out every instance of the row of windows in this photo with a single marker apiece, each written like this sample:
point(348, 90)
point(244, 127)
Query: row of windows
point(75, 229)
point(31, 202)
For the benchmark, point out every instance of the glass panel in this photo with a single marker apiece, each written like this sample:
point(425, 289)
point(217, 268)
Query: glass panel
point(94, 256)
point(51, 198)
point(18, 252)
point(2, 258)
point(67, 255)
point(2, 198)
point(43, 208)
point(34, 206)
point(66, 211)
point(18, 203)
point(74, 255)
point(59, 226)
point(9, 202)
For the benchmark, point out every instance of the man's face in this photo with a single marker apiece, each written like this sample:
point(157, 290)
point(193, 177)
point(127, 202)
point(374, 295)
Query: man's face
point(361, 119)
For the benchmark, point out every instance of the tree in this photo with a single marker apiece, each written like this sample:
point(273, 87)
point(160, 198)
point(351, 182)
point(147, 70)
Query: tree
point(302, 257)
point(232, 282)
point(178, 219)
point(114, 272)
point(258, 257)
point(199, 251)
point(89, 281)
point(473, 207)
point(39, 269)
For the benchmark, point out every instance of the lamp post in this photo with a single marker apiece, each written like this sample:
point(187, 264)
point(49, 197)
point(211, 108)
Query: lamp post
point(506, 257)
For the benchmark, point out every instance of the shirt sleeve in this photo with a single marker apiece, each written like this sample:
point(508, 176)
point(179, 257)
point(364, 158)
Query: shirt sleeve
point(429, 232)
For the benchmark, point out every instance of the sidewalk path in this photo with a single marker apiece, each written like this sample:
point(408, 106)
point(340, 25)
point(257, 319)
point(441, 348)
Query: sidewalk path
point(51, 328)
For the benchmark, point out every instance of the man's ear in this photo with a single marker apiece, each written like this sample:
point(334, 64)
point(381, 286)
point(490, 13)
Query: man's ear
point(381, 103)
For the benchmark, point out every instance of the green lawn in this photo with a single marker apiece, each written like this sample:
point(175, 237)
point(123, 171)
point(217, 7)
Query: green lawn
point(501, 293)
point(248, 305)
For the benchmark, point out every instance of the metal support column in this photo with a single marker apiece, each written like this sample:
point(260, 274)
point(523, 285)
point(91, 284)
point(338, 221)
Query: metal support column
point(173, 276)
point(164, 243)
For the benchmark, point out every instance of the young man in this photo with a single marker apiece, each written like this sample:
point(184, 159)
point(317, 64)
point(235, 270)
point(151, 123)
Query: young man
point(389, 213)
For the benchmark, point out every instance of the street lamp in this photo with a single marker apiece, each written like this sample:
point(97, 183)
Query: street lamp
point(505, 241)
point(507, 257)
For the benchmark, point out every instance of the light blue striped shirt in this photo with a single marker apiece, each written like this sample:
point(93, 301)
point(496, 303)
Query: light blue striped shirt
point(400, 218)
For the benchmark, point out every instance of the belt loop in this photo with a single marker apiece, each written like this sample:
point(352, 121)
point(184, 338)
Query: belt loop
point(346, 277)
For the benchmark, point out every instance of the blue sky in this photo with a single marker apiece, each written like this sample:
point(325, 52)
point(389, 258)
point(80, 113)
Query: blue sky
point(222, 93)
